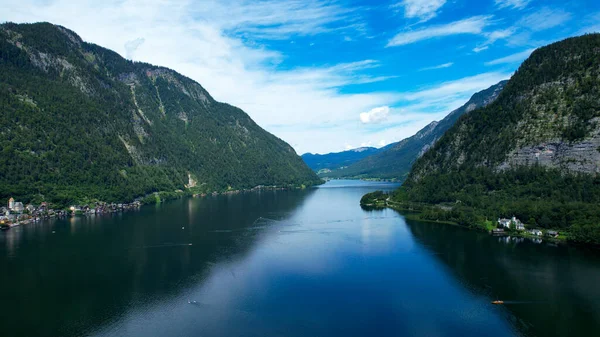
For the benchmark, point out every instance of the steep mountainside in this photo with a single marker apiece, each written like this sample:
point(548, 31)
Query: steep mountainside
point(533, 153)
point(335, 160)
point(548, 115)
point(77, 120)
point(396, 160)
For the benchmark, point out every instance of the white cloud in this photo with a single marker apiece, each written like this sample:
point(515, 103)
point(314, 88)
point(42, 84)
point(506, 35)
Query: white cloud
point(544, 18)
point(499, 34)
point(275, 19)
point(514, 58)
point(520, 34)
point(516, 4)
point(441, 66)
point(480, 49)
point(415, 110)
point(132, 46)
point(494, 36)
point(375, 115)
point(473, 25)
point(422, 9)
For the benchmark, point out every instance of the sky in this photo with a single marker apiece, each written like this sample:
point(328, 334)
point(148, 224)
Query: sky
point(326, 76)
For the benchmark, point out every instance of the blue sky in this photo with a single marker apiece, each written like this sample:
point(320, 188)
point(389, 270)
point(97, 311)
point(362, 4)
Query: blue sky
point(327, 75)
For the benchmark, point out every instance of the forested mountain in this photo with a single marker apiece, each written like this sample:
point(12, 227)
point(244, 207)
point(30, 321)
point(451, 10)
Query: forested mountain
point(79, 121)
point(395, 161)
point(335, 160)
point(533, 153)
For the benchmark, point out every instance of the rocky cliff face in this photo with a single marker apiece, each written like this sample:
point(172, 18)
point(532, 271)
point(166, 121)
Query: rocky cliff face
point(547, 115)
point(582, 156)
point(541, 134)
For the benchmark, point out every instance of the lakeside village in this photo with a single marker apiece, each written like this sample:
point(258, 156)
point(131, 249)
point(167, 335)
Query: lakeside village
point(505, 226)
point(18, 214)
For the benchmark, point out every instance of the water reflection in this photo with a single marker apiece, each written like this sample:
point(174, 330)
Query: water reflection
point(508, 239)
point(328, 269)
point(104, 265)
point(295, 263)
point(551, 290)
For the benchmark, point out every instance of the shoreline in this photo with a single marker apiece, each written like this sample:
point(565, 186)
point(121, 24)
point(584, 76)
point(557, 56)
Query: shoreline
point(411, 214)
point(150, 199)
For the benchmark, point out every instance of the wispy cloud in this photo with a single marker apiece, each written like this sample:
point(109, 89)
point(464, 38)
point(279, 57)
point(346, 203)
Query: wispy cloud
point(473, 25)
point(514, 58)
point(480, 48)
point(421, 9)
point(460, 88)
point(516, 4)
point(331, 77)
point(277, 19)
point(499, 34)
point(543, 19)
point(521, 32)
point(441, 66)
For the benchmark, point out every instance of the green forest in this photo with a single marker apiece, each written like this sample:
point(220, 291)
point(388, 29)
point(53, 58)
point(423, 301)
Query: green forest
point(541, 198)
point(80, 122)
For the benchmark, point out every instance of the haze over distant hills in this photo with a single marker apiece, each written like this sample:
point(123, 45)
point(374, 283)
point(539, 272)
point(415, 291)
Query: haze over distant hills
point(336, 160)
point(80, 122)
point(395, 160)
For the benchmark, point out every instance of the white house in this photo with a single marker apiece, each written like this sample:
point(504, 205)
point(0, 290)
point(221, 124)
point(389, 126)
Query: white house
point(518, 224)
point(11, 203)
point(512, 223)
point(536, 232)
point(18, 207)
point(504, 223)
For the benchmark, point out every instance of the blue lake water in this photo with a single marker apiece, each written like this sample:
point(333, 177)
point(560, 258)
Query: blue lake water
point(288, 263)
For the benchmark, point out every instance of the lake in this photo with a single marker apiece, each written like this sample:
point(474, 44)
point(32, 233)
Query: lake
point(288, 263)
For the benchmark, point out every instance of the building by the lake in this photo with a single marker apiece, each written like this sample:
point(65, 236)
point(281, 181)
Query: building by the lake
point(511, 223)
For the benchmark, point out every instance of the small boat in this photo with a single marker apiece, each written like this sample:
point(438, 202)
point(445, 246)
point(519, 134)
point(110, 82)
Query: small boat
point(498, 302)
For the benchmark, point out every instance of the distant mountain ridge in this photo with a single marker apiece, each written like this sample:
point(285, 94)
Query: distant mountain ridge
point(80, 122)
point(395, 161)
point(335, 160)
